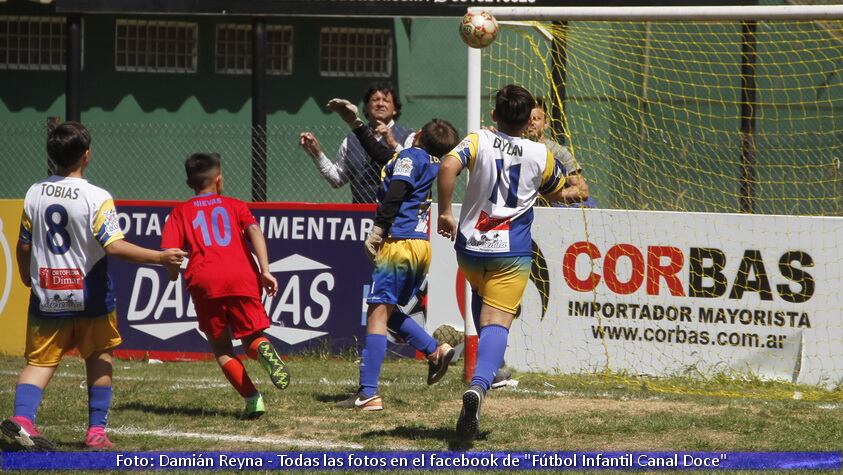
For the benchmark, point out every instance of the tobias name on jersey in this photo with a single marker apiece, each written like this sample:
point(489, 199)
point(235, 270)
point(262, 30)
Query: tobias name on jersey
point(507, 147)
point(57, 191)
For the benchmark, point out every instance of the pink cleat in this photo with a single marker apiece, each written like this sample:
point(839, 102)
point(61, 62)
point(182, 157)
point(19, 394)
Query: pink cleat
point(24, 433)
point(97, 439)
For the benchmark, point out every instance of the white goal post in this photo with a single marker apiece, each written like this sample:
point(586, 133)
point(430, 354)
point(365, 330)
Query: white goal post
point(475, 95)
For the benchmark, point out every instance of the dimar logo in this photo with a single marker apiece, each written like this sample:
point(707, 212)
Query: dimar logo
point(6, 272)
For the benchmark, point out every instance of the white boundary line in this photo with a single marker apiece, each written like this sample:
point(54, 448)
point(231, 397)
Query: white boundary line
point(208, 383)
point(276, 441)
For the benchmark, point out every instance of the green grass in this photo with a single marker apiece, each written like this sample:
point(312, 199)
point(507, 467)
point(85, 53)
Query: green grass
point(155, 402)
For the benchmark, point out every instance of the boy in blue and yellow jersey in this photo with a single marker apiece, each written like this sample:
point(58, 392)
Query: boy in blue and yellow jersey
point(399, 246)
point(67, 229)
point(493, 240)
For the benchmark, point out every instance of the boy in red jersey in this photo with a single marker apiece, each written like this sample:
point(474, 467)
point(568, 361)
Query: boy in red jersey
point(222, 277)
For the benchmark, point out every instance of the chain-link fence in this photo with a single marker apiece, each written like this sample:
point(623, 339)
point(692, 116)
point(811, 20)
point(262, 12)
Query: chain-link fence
point(145, 161)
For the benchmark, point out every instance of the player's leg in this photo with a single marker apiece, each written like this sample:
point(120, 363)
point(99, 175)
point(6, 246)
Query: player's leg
point(211, 316)
point(28, 394)
point(236, 374)
point(367, 397)
point(46, 342)
point(95, 338)
point(99, 368)
point(501, 287)
point(247, 319)
point(439, 354)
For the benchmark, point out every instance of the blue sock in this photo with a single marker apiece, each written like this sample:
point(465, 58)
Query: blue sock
point(99, 402)
point(476, 305)
point(370, 364)
point(411, 332)
point(490, 351)
point(27, 400)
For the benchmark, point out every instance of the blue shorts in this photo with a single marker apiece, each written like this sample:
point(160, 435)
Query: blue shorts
point(400, 269)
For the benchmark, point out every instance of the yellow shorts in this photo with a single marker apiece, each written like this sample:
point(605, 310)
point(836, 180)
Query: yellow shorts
point(500, 281)
point(48, 339)
point(400, 270)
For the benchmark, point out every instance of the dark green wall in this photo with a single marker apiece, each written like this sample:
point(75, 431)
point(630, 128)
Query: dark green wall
point(155, 119)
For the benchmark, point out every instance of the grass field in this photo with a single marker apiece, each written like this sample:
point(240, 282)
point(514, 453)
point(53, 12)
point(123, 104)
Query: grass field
point(190, 407)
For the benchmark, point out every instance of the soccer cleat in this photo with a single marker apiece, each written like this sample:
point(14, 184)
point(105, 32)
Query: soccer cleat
point(24, 433)
point(361, 402)
point(97, 439)
point(438, 361)
point(254, 407)
point(469, 421)
point(502, 377)
point(274, 366)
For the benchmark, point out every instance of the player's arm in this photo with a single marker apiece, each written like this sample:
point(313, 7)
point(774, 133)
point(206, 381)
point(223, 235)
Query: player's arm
point(23, 253)
point(576, 189)
point(107, 232)
point(23, 250)
point(173, 238)
point(446, 182)
point(141, 255)
point(462, 156)
point(553, 180)
point(268, 282)
point(377, 151)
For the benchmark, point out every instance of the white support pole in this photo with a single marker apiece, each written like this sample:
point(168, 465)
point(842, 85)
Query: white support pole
point(669, 13)
point(473, 90)
point(473, 93)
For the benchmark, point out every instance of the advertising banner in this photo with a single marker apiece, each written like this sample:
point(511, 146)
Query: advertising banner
point(14, 296)
point(315, 253)
point(666, 293)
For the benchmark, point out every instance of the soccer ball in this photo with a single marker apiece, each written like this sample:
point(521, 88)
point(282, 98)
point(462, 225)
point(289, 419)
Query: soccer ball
point(478, 29)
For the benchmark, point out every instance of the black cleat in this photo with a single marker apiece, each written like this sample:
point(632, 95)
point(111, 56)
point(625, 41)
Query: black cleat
point(469, 422)
point(438, 365)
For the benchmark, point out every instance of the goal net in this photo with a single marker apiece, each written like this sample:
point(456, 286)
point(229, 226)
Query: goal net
point(711, 116)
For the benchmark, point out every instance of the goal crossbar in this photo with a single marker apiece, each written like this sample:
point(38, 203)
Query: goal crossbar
point(669, 13)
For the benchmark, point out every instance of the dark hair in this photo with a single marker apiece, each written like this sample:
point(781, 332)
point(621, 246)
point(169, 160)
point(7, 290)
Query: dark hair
point(513, 105)
point(67, 143)
point(541, 104)
point(201, 169)
point(438, 137)
point(386, 88)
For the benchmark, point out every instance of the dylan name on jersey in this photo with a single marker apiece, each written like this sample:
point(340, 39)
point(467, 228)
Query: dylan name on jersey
point(507, 147)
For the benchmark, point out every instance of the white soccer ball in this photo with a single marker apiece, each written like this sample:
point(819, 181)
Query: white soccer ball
point(478, 29)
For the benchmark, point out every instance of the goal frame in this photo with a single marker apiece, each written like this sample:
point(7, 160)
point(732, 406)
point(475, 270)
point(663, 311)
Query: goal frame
point(745, 13)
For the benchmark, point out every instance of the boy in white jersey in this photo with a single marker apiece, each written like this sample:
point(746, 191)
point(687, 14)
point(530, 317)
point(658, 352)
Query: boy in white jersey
point(67, 228)
point(493, 242)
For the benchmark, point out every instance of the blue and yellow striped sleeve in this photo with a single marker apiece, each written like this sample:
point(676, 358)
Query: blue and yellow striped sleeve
point(106, 226)
point(25, 235)
point(553, 178)
point(466, 151)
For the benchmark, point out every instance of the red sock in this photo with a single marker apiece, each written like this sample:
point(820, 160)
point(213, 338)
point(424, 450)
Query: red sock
point(252, 350)
point(235, 372)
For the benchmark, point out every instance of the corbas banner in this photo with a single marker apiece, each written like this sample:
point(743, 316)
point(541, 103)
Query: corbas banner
point(364, 8)
point(315, 252)
point(665, 293)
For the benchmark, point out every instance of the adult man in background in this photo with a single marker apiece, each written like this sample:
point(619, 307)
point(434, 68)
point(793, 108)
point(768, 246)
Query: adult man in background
point(353, 165)
point(575, 194)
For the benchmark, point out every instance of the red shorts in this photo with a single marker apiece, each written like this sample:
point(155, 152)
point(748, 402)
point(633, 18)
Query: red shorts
point(243, 315)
